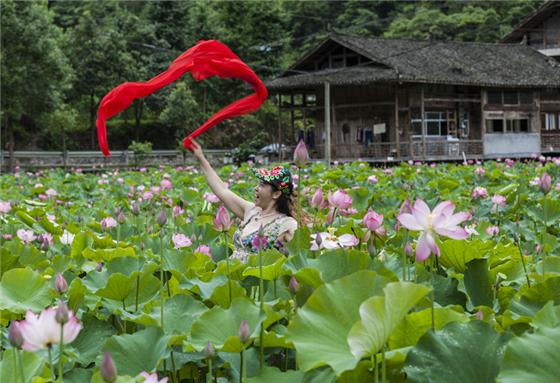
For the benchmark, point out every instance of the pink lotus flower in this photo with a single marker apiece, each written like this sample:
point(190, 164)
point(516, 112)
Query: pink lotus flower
point(340, 199)
point(51, 193)
point(372, 220)
point(222, 221)
point(107, 223)
point(46, 240)
point(181, 240)
point(301, 156)
point(330, 241)
point(204, 250)
point(152, 378)
point(147, 195)
point(26, 236)
point(42, 197)
point(42, 331)
point(498, 200)
point(479, 171)
point(348, 212)
point(509, 162)
point(318, 199)
point(440, 221)
point(166, 184)
point(479, 192)
point(492, 230)
point(177, 211)
point(7, 237)
point(372, 179)
point(5, 206)
point(212, 198)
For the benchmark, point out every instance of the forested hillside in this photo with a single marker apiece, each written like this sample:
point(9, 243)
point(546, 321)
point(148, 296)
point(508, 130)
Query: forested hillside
point(59, 58)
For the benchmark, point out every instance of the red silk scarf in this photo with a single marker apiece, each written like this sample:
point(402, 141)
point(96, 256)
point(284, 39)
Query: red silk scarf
point(205, 59)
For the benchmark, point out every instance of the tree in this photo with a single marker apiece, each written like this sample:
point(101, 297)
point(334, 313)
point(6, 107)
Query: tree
point(182, 112)
point(97, 50)
point(34, 70)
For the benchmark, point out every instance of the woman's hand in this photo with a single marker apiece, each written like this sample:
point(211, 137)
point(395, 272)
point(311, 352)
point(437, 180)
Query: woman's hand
point(197, 151)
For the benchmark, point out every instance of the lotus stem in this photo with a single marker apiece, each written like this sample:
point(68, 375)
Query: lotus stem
point(518, 242)
point(22, 372)
point(404, 264)
point(261, 307)
point(374, 365)
point(174, 368)
point(241, 367)
point(226, 239)
point(433, 299)
point(383, 367)
point(299, 197)
point(61, 351)
point(209, 376)
point(51, 362)
point(161, 277)
point(137, 293)
point(15, 350)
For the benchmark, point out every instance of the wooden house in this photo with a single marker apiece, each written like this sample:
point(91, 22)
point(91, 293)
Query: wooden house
point(380, 99)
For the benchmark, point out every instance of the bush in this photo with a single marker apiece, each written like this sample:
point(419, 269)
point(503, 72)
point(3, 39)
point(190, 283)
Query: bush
point(141, 150)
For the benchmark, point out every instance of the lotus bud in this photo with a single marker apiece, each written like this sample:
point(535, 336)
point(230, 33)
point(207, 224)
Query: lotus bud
point(60, 284)
point(121, 218)
point(318, 199)
point(244, 333)
point(222, 220)
point(294, 285)
point(318, 240)
point(135, 208)
point(14, 335)
point(108, 368)
point(545, 183)
point(261, 231)
point(408, 248)
point(62, 316)
point(301, 156)
point(161, 218)
point(209, 351)
point(372, 220)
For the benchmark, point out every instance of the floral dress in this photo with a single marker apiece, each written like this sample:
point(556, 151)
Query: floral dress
point(244, 236)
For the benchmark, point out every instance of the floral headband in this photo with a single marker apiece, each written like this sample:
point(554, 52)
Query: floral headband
point(278, 176)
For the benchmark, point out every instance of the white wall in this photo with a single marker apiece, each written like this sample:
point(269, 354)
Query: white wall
point(511, 144)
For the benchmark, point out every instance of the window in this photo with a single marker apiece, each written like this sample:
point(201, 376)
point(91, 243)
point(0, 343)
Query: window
point(509, 97)
point(436, 124)
point(551, 121)
point(494, 97)
point(494, 126)
point(310, 99)
point(509, 125)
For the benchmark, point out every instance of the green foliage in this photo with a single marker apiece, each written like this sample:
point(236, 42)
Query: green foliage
point(140, 150)
point(442, 356)
point(75, 52)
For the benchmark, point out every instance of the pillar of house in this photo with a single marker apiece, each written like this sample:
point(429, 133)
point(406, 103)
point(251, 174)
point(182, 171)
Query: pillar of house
point(327, 123)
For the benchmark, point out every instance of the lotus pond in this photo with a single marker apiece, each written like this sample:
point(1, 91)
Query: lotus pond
point(420, 273)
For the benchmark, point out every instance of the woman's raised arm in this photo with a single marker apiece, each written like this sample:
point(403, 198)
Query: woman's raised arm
point(231, 200)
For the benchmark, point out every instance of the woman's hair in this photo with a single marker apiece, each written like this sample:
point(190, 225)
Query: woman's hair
point(288, 205)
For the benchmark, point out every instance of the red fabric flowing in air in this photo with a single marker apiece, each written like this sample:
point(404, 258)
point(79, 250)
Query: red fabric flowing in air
point(205, 59)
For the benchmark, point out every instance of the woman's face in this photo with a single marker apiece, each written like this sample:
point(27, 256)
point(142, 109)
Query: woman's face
point(265, 195)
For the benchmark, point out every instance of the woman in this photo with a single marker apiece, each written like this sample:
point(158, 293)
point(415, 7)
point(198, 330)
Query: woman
point(273, 209)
